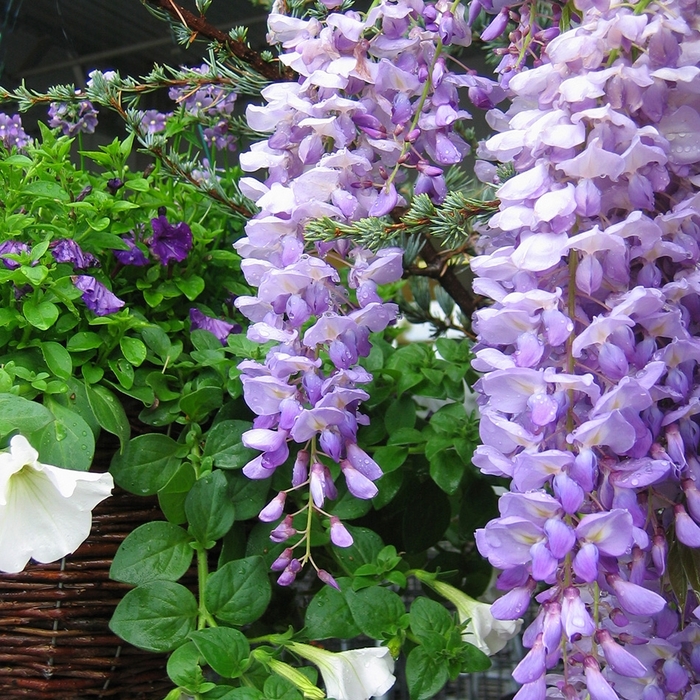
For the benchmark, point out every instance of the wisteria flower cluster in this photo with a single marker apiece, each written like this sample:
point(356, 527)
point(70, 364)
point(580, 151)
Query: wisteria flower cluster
point(590, 354)
point(373, 104)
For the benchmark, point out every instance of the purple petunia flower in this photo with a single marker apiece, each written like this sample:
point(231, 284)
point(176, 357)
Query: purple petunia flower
point(221, 329)
point(170, 241)
point(67, 250)
point(96, 296)
point(134, 256)
point(13, 248)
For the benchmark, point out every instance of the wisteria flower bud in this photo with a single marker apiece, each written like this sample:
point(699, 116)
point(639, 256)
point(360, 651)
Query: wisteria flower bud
point(283, 531)
point(339, 533)
point(274, 508)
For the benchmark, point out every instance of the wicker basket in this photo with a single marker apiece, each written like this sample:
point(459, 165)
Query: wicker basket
point(55, 643)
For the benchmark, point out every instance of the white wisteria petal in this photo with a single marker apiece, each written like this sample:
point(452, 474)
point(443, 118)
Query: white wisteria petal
point(358, 674)
point(45, 511)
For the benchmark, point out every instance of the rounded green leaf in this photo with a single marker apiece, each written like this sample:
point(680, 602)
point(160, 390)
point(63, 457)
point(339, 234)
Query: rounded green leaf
point(183, 668)
point(66, 442)
point(134, 350)
point(425, 675)
point(41, 315)
point(225, 447)
point(154, 551)
point(57, 359)
point(377, 611)
point(158, 616)
point(147, 463)
point(209, 510)
point(239, 592)
point(226, 650)
point(109, 412)
point(23, 415)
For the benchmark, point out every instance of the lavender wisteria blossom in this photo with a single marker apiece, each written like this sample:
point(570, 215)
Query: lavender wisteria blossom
point(374, 104)
point(590, 354)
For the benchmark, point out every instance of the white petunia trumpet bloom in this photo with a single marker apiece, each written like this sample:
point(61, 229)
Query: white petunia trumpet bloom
point(484, 631)
point(45, 511)
point(358, 674)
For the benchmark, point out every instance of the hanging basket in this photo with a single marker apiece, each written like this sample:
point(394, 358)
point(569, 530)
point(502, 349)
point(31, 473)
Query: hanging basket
point(55, 642)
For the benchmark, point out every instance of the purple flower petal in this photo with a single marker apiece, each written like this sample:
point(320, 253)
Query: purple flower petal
point(96, 296)
point(170, 243)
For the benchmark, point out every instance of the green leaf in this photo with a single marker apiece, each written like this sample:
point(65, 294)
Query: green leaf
point(133, 349)
point(225, 447)
point(147, 463)
point(209, 510)
point(57, 359)
point(138, 184)
point(239, 592)
point(183, 668)
point(447, 470)
point(364, 549)
point(154, 551)
point(41, 315)
point(390, 458)
point(278, 688)
point(454, 351)
point(328, 615)
point(200, 403)
point(377, 611)
point(428, 617)
point(406, 436)
point(157, 340)
point(226, 692)
point(400, 414)
point(47, 189)
point(158, 616)
point(248, 496)
point(84, 340)
point(22, 415)
point(191, 287)
point(226, 650)
point(425, 675)
point(474, 660)
point(109, 412)
point(172, 496)
point(68, 441)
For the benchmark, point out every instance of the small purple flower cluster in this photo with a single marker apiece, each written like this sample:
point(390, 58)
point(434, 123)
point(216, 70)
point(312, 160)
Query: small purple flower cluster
point(12, 134)
point(212, 105)
point(590, 396)
point(73, 117)
point(373, 103)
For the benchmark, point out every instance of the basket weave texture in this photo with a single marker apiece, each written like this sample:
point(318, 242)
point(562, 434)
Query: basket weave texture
point(55, 643)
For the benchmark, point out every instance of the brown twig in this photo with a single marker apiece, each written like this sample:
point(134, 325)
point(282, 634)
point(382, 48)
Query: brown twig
point(447, 278)
point(272, 70)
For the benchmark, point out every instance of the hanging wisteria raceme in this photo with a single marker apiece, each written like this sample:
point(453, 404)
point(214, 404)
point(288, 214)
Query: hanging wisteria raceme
point(374, 104)
point(590, 354)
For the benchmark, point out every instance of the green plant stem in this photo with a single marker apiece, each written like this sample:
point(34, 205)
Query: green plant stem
point(204, 618)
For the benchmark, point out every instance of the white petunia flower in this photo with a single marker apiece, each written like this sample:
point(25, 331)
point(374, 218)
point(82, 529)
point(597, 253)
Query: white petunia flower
point(358, 674)
point(45, 511)
point(484, 631)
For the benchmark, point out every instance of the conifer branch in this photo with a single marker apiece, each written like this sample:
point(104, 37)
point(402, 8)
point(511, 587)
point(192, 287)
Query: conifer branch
point(199, 26)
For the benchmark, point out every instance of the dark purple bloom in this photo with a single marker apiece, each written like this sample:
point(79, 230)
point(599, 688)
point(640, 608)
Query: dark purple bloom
point(114, 185)
point(133, 256)
point(67, 250)
point(221, 329)
point(96, 296)
point(170, 242)
point(13, 248)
